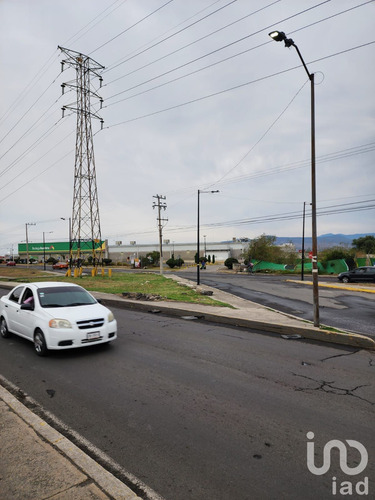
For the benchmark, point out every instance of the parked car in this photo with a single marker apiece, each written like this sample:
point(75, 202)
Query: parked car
point(60, 265)
point(55, 316)
point(11, 263)
point(365, 273)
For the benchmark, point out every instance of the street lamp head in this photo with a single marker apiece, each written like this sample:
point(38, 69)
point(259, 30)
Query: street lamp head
point(208, 192)
point(279, 36)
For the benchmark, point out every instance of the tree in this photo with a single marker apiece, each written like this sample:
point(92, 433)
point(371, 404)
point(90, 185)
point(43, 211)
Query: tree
point(365, 244)
point(263, 248)
point(338, 252)
point(335, 253)
point(153, 258)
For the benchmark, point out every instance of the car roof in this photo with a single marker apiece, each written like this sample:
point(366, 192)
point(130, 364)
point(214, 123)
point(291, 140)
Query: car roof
point(50, 284)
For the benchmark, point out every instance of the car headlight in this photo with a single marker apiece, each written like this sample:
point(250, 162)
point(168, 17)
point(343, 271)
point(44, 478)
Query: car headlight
point(59, 323)
point(110, 317)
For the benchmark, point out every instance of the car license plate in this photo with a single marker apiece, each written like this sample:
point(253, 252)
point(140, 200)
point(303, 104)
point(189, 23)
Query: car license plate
point(93, 335)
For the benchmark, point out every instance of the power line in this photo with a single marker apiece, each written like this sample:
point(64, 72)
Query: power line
point(37, 160)
point(171, 36)
point(286, 216)
point(213, 51)
point(115, 64)
point(236, 87)
point(70, 40)
point(41, 72)
point(127, 29)
point(205, 55)
point(41, 173)
point(194, 42)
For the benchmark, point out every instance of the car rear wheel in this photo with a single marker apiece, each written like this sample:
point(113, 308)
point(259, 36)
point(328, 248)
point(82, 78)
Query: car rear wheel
point(40, 345)
point(345, 279)
point(4, 332)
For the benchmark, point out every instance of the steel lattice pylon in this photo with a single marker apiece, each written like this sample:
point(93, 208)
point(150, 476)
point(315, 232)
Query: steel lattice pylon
point(85, 234)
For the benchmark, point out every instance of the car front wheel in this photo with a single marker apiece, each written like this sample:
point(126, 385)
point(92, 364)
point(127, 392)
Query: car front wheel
point(40, 345)
point(4, 332)
point(345, 279)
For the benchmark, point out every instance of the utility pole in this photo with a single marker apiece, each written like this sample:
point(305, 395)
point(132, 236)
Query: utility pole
point(160, 205)
point(27, 242)
point(85, 228)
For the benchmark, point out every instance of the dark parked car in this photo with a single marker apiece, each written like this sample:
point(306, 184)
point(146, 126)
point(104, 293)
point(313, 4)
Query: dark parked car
point(366, 273)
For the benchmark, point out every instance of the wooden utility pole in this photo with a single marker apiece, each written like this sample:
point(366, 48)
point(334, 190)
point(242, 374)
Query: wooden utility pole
point(160, 220)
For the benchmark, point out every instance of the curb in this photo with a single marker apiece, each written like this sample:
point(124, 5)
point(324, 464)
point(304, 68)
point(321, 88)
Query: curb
point(305, 331)
point(337, 287)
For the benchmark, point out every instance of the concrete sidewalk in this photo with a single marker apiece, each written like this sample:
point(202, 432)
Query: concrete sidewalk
point(37, 462)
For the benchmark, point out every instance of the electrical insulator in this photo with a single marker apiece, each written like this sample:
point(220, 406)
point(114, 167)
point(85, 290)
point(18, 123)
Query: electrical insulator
point(101, 124)
point(63, 88)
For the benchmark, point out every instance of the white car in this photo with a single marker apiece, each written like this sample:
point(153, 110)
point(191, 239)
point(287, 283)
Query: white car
point(55, 316)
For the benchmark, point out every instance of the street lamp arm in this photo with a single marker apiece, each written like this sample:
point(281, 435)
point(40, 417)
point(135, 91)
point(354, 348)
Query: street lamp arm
point(302, 60)
point(279, 36)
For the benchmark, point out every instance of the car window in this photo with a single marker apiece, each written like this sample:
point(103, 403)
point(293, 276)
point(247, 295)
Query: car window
point(67, 296)
point(28, 296)
point(15, 295)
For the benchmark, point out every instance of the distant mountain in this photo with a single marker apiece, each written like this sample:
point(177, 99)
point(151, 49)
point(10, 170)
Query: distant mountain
point(324, 241)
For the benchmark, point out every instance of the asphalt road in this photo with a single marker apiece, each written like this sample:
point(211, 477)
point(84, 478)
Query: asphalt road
point(203, 412)
point(338, 308)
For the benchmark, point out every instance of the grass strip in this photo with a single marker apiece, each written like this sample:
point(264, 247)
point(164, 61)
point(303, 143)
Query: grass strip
point(139, 282)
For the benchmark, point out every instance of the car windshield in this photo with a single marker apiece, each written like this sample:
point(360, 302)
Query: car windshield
point(67, 296)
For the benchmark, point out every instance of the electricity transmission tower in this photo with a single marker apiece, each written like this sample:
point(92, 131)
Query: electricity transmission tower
point(160, 206)
point(85, 234)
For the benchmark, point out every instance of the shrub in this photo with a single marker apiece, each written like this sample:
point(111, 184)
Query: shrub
point(229, 262)
point(174, 262)
point(171, 263)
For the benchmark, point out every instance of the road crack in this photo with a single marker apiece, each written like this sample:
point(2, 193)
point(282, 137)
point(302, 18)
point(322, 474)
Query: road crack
point(340, 355)
point(329, 388)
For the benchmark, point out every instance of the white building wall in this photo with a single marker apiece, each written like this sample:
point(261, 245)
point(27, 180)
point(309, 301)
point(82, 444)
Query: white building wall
point(222, 250)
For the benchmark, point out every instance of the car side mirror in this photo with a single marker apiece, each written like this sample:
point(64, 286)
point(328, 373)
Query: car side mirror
point(27, 307)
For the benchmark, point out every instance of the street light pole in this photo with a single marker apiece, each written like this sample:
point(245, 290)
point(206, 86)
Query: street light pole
point(27, 242)
point(198, 216)
point(70, 240)
point(44, 248)
point(280, 36)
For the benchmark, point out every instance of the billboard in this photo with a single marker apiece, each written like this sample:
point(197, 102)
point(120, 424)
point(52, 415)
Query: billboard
point(60, 247)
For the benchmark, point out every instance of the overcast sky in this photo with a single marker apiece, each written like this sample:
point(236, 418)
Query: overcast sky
point(196, 96)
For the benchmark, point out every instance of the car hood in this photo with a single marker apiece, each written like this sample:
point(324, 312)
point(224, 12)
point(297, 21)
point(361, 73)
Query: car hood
point(78, 313)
